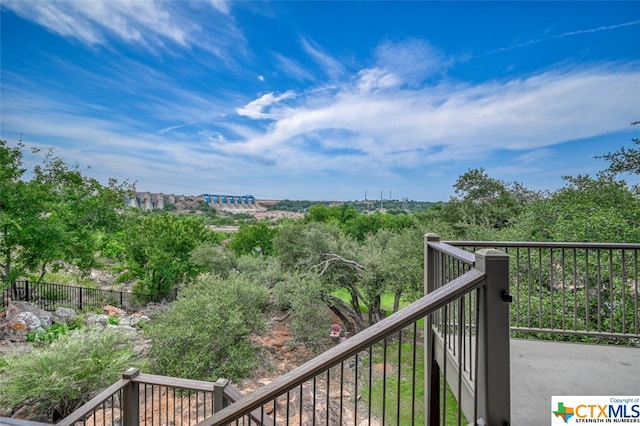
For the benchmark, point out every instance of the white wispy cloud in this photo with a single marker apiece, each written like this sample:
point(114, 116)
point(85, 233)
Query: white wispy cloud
point(293, 69)
point(412, 59)
point(255, 109)
point(148, 23)
point(565, 34)
point(444, 122)
point(134, 21)
point(222, 6)
point(331, 66)
point(396, 110)
point(373, 79)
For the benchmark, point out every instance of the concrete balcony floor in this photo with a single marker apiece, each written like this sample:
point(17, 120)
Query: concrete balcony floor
point(541, 369)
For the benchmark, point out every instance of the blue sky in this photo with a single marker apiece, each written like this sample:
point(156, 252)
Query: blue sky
point(321, 100)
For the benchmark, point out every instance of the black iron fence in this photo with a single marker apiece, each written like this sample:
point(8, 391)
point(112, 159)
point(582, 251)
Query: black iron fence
point(572, 291)
point(50, 296)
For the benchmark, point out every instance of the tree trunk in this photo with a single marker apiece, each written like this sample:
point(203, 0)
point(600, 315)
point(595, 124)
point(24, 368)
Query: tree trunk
point(375, 311)
point(338, 306)
point(6, 268)
point(355, 303)
point(396, 301)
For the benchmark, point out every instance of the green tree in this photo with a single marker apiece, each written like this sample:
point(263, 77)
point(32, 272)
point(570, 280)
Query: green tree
point(338, 214)
point(482, 202)
point(53, 217)
point(215, 258)
point(363, 224)
point(318, 213)
point(255, 239)
point(304, 297)
point(392, 263)
point(322, 250)
point(625, 159)
point(585, 209)
point(158, 251)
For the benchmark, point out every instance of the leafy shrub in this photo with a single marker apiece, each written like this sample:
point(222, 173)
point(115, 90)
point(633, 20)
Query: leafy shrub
point(310, 323)
point(206, 333)
point(158, 252)
point(66, 374)
point(214, 258)
point(255, 240)
point(54, 332)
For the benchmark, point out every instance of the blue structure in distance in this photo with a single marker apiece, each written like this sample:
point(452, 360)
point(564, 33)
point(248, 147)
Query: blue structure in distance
point(229, 199)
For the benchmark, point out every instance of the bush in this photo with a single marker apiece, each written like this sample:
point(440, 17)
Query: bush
point(205, 335)
point(214, 258)
point(54, 332)
point(61, 377)
point(310, 321)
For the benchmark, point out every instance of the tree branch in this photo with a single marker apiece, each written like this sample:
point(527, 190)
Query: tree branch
point(335, 258)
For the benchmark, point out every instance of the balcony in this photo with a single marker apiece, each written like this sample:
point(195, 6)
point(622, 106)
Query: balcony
point(502, 328)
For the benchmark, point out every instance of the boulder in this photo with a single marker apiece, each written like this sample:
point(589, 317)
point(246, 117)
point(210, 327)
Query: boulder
point(112, 311)
point(23, 318)
point(93, 320)
point(64, 315)
point(30, 413)
point(32, 316)
point(136, 319)
point(30, 321)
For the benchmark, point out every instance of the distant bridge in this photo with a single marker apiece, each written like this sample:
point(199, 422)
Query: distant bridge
point(158, 201)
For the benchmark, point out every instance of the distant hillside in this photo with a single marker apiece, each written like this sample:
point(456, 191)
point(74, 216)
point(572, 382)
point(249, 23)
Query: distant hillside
point(361, 206)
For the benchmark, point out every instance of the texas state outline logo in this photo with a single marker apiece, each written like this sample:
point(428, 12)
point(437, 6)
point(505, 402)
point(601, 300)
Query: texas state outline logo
point(571, 410)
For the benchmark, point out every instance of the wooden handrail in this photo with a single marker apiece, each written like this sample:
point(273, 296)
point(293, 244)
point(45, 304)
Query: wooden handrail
point(175, 382)
point(544, 244)
point(89, 406)
point(388, 326)
point(455, 252)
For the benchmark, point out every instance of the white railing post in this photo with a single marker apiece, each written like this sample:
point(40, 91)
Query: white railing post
point(494, 373)
point(432, 370)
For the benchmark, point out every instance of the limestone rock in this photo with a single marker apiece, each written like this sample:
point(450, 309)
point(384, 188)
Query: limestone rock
point(30, 321)
point(64, 315)
point(31, 315)
point(112, 311)
point(22, 318)
point(96, 320)
point(137, 318)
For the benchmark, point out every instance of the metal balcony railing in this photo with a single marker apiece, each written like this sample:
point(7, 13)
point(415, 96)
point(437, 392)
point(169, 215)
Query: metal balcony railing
point(394, 372)
point(147, 399)
point(572, 291)
point(444, 359)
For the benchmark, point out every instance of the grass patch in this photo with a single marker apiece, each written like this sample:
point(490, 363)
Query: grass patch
point(403, 403)
point(65, 278)
point(65, 374)
point(386, 301)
